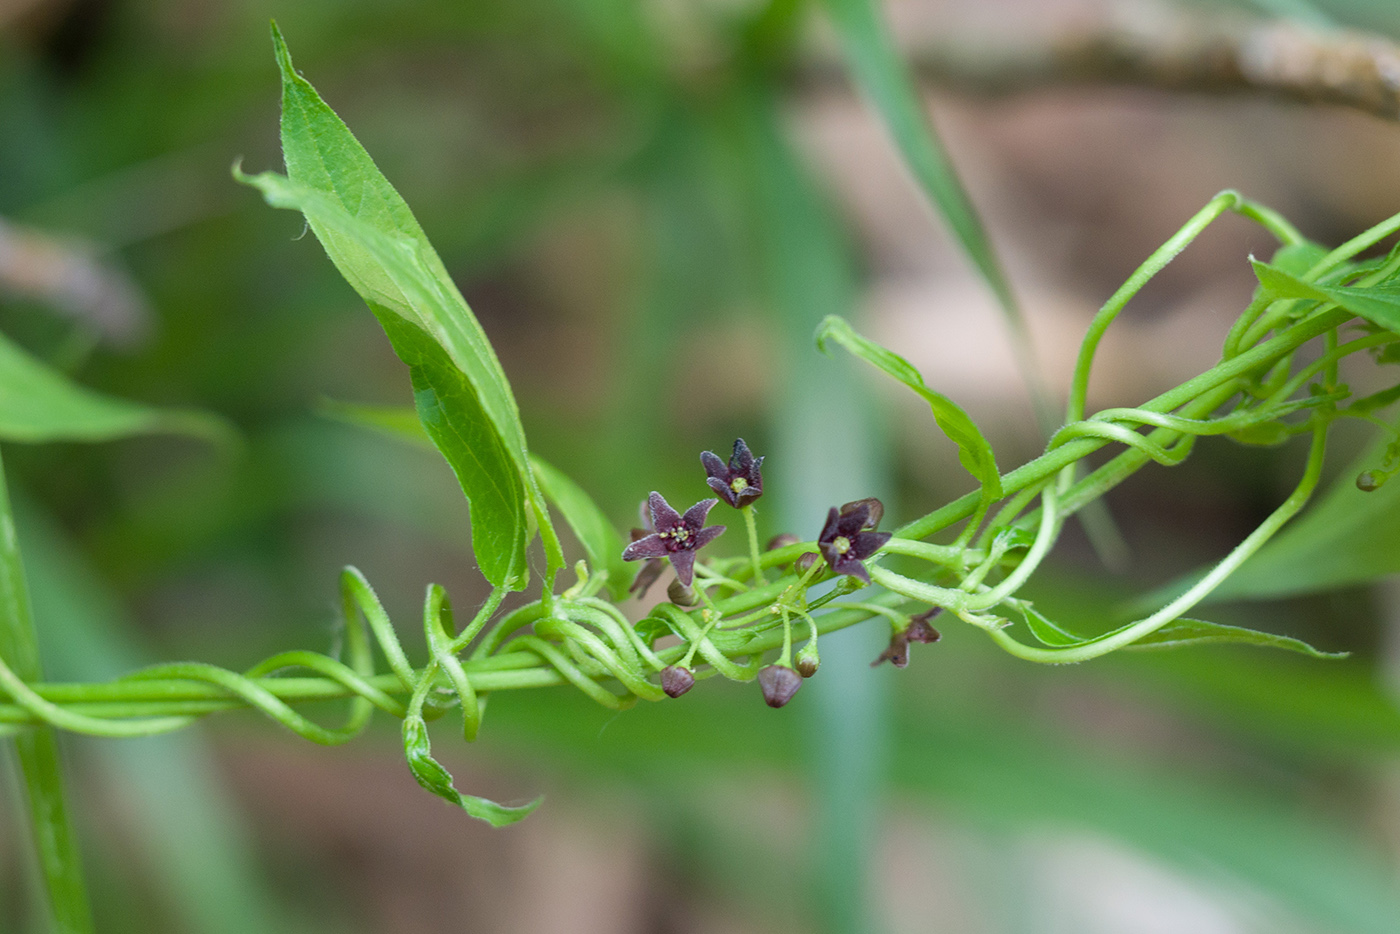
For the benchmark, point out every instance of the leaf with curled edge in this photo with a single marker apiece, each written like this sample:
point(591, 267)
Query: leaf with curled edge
point(974, 451)
point(431, 775)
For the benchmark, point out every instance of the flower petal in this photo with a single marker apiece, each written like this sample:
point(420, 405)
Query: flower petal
point(707, 535)
point(865, 544)
point(684, 563)
point(896, 653)
point(714, 467)
point(650, 547)
point(742, 458)
point(723, 489)
point(646, 577)
point(831, 529)
point(851, 565)
point(694, 517)
point(662, 515)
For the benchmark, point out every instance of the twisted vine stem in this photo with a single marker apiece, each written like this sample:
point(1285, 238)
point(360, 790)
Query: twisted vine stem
point(579, 639)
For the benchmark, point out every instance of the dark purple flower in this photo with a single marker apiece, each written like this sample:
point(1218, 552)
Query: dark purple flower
point(676, 680)
point(739, 483)
point(919, 631)
point(675, 536)
point(847, 539)
point(779, 683)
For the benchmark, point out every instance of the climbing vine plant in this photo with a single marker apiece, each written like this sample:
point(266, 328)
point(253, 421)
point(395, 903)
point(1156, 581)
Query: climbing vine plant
point(749, 612)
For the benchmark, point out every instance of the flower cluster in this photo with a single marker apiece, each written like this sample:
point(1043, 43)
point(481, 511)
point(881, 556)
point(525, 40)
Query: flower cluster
point(847, 540)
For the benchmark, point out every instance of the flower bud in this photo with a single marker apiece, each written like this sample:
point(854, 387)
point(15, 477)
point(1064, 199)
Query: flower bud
point(1369, 482)
point(676, 680)
point(804, 562)
point(781, 541)
point(779, 683)
point(681, 595)
point(808, 661)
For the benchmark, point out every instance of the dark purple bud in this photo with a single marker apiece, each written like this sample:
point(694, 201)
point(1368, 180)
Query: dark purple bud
point(781, 541)
point(804, 562)
point(675, 537)
point(779, 683)
point(676, 680)
point(808, 661)
point(739, 482)
point(680, 594)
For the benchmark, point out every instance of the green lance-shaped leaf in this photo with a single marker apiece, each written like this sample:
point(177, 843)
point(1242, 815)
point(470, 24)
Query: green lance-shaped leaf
point(372, 237)
point(1176, 634)
point(39, 404)
point(973, 450)
point(1379, 305)
point(885, 80)
point(595, 533)
point(432, 776)
point(448, 402)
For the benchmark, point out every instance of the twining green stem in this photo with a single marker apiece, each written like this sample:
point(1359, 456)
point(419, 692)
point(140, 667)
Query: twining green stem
point(1134, 631)
point(1217, 377)
point(1079, 383)
point(754, 553)
point(37, 750)
point(581, 640)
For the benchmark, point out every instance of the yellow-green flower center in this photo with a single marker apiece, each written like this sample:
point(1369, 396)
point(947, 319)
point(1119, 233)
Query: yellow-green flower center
point(841, 544)
point(738, 484)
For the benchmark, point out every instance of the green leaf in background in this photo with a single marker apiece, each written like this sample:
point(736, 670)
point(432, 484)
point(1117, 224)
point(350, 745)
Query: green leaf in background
point(372, 237)
point(973, 450)
point(599, 538)
point(1176, 634)
point(1379, 305)
point(38, 404)
point(1347, 537)
point(396, 421)
point(432, 776)
point(885, 80)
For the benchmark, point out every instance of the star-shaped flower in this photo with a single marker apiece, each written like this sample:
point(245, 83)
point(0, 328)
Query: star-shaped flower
point(676, 536)
point(848, 537)
point(739, 483)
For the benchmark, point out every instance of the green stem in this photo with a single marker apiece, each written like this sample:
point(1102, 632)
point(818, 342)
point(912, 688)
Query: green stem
point(37, 750)
point(754, 555)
